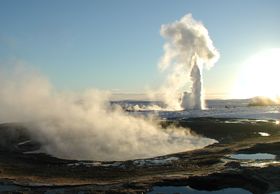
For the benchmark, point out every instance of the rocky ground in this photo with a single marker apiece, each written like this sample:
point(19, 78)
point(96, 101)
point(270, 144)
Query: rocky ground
point(211, 168)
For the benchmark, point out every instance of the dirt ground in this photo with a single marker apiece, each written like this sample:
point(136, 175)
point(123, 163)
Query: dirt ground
point(210, 168)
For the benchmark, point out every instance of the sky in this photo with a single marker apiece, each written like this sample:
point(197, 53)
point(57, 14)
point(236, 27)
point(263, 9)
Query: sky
point(116, 45)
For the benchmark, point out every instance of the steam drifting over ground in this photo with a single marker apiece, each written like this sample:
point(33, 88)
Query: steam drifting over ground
point(85, 126)
point(187, 46)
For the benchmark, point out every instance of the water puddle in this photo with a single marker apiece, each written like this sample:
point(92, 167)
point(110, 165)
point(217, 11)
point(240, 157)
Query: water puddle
point(8, 187)
point(257, 156)
point(189, 190)
point(55, 191)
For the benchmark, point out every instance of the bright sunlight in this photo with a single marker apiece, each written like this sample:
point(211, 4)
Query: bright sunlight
point(260, 76)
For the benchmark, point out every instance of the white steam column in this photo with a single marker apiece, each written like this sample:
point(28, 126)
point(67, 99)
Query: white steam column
point(194, 100)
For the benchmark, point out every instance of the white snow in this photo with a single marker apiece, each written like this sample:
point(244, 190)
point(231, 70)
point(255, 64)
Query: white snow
point(237, 112)
point(259, 164)
point(221, 109)
point(263, 134)
point(154, 161)
point(24, 142)
point(93, 164)
point(39, 151)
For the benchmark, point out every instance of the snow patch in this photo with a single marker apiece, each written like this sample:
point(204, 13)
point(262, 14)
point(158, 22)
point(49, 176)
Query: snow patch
point(263, 134)
point(24, 142)
point(155, 161)
point(96, 164)
point(259, 164)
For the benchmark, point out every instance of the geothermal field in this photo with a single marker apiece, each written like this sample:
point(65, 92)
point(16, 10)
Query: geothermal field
point(228, 148)
point(97, 117)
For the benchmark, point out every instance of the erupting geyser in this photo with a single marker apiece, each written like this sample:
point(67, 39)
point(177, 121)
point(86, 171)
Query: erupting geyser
point(188, 49)
point(194, 100)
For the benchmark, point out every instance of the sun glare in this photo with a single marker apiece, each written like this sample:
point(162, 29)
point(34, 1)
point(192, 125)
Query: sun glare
point(260, 76)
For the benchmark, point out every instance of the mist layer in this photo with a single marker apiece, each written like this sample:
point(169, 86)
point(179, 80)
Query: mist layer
point(84, 125)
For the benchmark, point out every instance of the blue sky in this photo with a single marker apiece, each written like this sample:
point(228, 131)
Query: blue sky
point(116, 45)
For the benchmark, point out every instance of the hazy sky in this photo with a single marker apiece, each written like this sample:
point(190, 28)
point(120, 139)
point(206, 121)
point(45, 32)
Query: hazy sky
point(116, 45)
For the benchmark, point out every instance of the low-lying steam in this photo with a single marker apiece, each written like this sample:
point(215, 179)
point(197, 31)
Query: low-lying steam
point(188, 49)
point(85, 126)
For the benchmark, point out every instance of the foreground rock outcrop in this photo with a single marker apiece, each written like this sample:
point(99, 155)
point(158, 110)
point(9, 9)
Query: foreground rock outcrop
point(23, 170)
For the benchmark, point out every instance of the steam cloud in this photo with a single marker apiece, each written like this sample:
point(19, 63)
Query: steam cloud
point(188, 49)
point(85, 126)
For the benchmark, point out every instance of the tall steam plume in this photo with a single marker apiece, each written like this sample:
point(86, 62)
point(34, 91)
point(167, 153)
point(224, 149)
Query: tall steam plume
point(188, 49)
